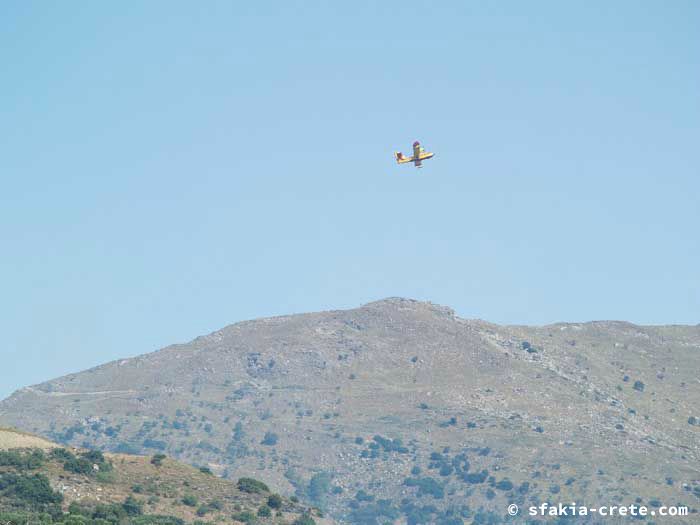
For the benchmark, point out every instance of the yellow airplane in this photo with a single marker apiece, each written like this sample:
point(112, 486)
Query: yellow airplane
point(419, 155)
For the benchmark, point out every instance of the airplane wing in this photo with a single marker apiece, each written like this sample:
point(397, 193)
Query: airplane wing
point(417, 150)
point(417, 163)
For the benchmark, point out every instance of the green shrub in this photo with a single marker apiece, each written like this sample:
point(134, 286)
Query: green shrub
point(270, 439)
point(390, 445)
point(84, 464)
point(77, 508)
point(504, 485)
point(157, 459)
point(113, 513)
point(318, 488)
point(264, 511)
point(22, 459)
point(475, 477)
point(78, 466)
point(274, 501)
point(93, 456)
point(132, 506)
point(446, 470)
point(252, 486)
point(190, 500)
point(62, 454)
point(34, 489)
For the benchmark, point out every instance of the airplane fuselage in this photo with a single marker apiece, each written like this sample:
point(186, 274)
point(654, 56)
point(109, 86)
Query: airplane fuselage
point(419, 155)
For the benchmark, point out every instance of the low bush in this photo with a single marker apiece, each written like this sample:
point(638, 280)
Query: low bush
point(274, 501)
point(190, 500)
point(157, 459)
point(252, 486)
point(270, 439)
point(132, 506)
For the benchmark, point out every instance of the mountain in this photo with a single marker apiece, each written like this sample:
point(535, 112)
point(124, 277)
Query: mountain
point(400, 411)
point(41, 482)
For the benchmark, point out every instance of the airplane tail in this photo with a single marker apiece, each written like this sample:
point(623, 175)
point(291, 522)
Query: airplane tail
point(399, 156)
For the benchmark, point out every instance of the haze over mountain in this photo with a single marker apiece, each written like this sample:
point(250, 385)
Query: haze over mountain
point(400, 410)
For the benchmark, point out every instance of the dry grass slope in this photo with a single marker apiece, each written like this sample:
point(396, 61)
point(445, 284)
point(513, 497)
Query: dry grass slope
point(11, 438)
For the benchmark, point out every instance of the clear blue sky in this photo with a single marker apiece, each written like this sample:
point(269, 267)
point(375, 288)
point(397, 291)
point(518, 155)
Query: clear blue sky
point(168, 168)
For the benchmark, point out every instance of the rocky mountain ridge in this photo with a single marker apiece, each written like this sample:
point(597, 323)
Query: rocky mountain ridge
point(403, 402)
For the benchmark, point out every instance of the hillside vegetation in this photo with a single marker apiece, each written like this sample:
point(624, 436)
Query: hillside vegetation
point(402, 412)
point(86, 487)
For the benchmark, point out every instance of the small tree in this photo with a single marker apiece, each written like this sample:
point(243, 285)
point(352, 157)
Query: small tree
point(132, 506)
point(252, 486)
point(274, 501)
point(78, 466)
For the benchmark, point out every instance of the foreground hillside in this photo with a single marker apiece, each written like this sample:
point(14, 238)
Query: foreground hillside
point(399, 411)
point(43, 483)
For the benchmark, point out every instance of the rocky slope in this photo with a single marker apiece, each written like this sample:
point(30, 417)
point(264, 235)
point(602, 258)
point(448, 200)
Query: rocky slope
point(401, 411)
